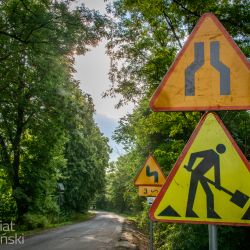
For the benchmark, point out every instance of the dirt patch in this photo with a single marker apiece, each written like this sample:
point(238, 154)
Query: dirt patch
point(132, 237)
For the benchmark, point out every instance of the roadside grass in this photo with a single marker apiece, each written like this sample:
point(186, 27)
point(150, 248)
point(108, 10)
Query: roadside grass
point(74, 219)
point(130, 217)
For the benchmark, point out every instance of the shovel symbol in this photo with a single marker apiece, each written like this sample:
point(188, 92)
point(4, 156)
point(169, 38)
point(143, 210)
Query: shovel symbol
point(238, 198)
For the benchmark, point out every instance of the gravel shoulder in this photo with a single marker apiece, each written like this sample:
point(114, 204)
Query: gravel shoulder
point(132, 237)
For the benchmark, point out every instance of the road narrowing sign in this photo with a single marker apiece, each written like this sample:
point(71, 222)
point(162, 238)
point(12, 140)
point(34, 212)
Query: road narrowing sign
point(210, 182)
point(209, 73)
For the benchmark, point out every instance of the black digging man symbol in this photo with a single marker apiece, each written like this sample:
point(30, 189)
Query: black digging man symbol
point(210, 159)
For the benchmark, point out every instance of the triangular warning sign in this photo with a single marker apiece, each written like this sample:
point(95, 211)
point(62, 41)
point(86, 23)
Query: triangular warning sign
point(210, 182)
point(209, 73)
point(150, 174)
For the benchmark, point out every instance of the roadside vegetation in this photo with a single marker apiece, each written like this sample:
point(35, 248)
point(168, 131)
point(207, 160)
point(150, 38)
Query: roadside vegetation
point(53, 157)
point(146, 37)
point(36, 228)
point(52, 154)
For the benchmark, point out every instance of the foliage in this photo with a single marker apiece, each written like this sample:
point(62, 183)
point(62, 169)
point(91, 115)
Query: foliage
point(192, 236)
point(163, 134)
point(238, 123)
point(33, 221)
point(121, 193)
point(87, 156)
point(7, 205)
point(144, 40)
point(44, 117)
point(146, 35)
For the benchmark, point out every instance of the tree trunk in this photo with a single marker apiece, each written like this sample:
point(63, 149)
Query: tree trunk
point(18, 193)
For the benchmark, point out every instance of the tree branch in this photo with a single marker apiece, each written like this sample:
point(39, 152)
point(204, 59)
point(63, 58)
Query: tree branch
point(186, 9)
point(172, 28)
point(12, 36)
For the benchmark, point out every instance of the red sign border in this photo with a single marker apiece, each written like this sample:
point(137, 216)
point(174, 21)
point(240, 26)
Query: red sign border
point(181, 53)
point(177, 165)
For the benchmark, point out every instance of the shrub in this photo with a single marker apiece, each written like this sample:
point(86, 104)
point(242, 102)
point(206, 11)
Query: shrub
point(33, 221)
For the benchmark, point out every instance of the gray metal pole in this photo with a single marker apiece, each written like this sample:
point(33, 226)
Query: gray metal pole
point(151, 240)
point(212, 231)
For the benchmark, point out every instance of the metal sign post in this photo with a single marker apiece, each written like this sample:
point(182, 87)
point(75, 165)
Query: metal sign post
point(150, 180)
point(151, 239)
point(212, 231)
point(150, 201)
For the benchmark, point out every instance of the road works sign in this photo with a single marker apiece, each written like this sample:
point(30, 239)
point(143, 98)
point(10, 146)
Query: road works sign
point(150, 174)
point(150, 200)
point(210, 182)
point(210, 73)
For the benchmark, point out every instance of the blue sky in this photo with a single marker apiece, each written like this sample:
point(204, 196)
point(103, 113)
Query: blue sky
point(107, 126)
point(92, 72)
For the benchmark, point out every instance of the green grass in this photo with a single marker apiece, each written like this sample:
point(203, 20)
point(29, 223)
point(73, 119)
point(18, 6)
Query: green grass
point(75, 219)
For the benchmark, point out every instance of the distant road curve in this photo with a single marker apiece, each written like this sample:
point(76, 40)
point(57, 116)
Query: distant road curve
point(99, 233)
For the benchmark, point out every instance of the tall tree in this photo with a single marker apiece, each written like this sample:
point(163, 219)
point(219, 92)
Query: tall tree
point(145, 38)
point(38, 40)
point(86, 153)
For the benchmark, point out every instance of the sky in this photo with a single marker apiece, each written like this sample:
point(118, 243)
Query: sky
point(92, 72)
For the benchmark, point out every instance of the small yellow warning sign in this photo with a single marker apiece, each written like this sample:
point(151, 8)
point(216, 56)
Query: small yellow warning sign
point(149, 191)
point(210, 182)
point(150, 174)
point(209, 73)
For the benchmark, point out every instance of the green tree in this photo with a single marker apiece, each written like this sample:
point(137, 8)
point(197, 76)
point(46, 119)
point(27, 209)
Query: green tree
point(145, 38)
point(87, 156)
point(120, 191)
point(146, 35)
point(38, 41)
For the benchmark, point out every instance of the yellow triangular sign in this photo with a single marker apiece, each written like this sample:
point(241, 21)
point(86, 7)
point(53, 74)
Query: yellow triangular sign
point(150, 174)
point(210, 182)
point(209, 73)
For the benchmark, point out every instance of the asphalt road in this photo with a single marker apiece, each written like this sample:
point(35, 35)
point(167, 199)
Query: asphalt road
point(102, 232)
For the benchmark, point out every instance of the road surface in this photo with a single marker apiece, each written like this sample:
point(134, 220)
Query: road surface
point(102, 232)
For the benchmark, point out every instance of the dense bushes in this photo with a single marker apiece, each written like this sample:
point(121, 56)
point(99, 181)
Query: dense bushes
point(146, 37)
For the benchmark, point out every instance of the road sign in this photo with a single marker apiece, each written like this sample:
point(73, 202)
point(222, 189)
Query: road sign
point(150, 200)
point(149, 191)
point(210, 182)
point(150, 174)
point(209, 73)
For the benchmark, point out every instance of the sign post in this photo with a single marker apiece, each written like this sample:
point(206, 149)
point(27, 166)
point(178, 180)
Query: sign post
point(151, 241)
point(212, 232)
point(149, 180)
point(150, 201)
